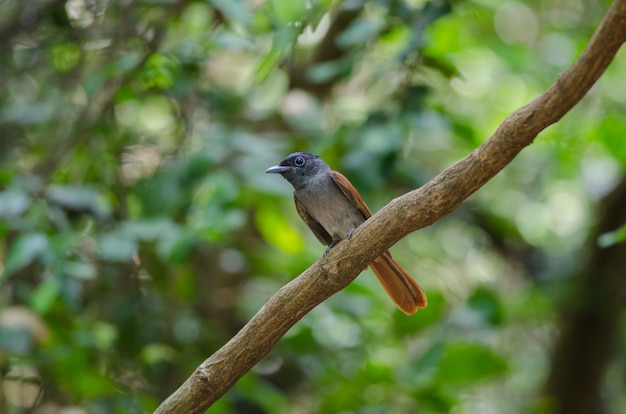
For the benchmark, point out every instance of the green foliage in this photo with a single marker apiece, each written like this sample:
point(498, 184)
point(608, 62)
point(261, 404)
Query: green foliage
point(612, 238)
point(139, 231)
point(468, 363)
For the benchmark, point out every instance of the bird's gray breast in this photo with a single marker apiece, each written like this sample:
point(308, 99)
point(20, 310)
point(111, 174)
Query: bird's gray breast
point(329, 207)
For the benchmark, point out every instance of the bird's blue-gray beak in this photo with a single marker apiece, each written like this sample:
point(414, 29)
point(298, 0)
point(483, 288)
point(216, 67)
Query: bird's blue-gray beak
point(277, 169)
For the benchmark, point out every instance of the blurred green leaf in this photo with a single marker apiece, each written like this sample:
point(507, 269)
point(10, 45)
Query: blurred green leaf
point(488, 305)
point(464, 363)
point(116, 247)
point(83, 380)
point(177, 247)
point(426, 365)
point(171, 190)
point(44, 295)
point(406, 325)
point(361, 31)
point(150, 229)
point(92, 84)
point(434, 400)
point(13, 202)
point(282, 41)
point(442, 65)
point(66, 56)
point(79, 199)
point(80, 270)
point(612, 238)
point(323, 72)
point(235, 10)
point(157, 352)
point(105, 335)
point(276, 230)
point(159, 71)
point(261, 393)
point(288, 11)
point(26, 249)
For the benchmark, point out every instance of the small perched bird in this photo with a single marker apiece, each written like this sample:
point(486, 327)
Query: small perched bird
point(332, 208)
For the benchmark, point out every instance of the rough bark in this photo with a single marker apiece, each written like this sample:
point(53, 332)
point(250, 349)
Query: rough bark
point(403, 215)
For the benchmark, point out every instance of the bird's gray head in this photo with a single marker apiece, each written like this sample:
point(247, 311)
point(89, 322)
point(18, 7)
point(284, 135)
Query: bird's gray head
point(298, 168)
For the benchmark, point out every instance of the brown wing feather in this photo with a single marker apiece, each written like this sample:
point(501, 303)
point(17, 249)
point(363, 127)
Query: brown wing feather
point(351, 193)
point(315, 227)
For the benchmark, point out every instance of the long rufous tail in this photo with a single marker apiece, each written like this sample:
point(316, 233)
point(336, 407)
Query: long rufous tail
point(401, 288)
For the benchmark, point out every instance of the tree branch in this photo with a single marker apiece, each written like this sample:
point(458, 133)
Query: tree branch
point(413, 211)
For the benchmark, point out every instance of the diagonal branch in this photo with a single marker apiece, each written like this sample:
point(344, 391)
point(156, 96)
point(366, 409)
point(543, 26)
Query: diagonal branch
point(408, 213)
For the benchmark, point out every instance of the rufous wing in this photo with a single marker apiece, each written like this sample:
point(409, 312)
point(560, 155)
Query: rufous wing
point(351, 193)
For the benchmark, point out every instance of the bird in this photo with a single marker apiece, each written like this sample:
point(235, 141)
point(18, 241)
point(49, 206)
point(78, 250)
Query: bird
point(333, 208)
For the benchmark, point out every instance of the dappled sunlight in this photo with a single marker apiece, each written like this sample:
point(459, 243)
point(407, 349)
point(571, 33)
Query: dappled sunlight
point(516, 22)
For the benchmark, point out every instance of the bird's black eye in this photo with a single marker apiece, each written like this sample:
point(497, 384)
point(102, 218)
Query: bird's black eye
point(299, 161)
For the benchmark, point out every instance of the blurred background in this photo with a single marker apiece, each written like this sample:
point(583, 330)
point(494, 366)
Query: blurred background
point(139, 231)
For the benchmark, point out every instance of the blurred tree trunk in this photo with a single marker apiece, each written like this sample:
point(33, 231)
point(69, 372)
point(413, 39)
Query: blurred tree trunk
point(590, 320)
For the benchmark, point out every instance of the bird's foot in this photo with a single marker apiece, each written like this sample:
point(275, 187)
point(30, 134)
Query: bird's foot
point(350, 232)
point(330, 246)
